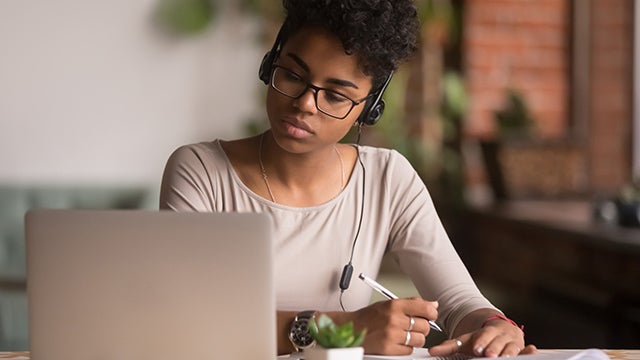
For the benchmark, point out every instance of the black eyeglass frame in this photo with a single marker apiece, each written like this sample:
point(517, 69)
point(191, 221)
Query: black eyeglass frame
point(308, 85)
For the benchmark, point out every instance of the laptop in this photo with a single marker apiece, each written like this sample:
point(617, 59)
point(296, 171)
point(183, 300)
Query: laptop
point(137, 284)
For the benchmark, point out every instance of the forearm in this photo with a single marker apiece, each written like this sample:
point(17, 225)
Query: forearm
point(283, 324)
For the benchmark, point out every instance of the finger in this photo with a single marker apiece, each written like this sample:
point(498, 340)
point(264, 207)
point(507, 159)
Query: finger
point(511, 349)
point(529, 349)
point(496, 346)
point(479, 343)
point(413, 339)
point(418, 307)
point(412, 323)
point(458, 345)
point(420, 325)
point(488, 342)
point(421, 312)
point(449, 347)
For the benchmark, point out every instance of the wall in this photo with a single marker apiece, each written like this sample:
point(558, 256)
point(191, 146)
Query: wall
point(573, 61)
point(611, 69)
point(636, 91)
point(522, 45)
point(93, 92)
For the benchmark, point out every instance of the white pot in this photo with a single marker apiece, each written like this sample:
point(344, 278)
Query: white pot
point(320, 353)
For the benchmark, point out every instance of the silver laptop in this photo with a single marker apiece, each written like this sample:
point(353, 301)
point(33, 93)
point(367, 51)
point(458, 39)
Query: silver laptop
point(133, 284)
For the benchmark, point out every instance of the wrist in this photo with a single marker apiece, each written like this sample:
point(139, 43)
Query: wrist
point(284, 319)
point(338, 317)
point(299, 333)
point(500, 317)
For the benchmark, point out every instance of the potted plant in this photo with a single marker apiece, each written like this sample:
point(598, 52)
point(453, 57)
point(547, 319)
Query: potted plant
point(514, 124)
point(334, 342)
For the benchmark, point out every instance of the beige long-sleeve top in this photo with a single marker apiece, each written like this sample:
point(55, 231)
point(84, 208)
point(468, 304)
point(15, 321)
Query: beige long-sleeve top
point(313, 244)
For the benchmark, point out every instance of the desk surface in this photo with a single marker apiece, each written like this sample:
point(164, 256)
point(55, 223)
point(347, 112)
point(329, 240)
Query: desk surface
point(613, 354)
point(567, 217)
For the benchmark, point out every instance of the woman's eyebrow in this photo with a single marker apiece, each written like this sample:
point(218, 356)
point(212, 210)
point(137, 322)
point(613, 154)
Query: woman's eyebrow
point(306, 68)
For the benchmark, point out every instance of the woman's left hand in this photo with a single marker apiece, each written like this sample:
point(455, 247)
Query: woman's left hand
point(495, 338)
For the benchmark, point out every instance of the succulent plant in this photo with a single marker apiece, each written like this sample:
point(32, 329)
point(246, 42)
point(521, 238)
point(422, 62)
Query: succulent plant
point(329, 335)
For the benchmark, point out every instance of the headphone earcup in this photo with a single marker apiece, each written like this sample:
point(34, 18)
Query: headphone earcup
point(375, 113)
point(264, 73)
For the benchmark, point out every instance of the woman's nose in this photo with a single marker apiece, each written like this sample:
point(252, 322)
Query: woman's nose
point(307, 101)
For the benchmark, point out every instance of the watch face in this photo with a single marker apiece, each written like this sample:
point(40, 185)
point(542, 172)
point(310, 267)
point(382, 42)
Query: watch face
point(300, 334)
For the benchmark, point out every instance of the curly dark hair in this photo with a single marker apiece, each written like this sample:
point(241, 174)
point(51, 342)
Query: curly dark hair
point(380, 33)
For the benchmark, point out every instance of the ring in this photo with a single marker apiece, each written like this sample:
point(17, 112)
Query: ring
point(407, 339)
point(459, 343)
point(412, 322)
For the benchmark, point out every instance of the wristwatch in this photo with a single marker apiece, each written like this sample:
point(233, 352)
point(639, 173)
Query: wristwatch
point(299, 334)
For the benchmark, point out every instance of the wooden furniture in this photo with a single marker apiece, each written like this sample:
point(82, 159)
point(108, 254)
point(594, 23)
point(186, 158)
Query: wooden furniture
point(569, 277)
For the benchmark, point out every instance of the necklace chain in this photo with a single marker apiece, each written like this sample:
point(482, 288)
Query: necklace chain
point(266, 178)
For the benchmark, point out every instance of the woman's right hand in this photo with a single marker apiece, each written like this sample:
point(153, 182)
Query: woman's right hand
point(388, 324)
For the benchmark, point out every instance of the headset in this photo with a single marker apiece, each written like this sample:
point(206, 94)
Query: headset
point(370, 115)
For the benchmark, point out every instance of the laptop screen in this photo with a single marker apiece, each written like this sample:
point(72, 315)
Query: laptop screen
point(132, 284)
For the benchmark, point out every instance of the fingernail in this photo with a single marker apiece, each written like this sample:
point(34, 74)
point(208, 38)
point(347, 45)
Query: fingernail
point(479, 350)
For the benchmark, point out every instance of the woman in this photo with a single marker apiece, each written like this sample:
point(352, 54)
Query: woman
point(334, 204)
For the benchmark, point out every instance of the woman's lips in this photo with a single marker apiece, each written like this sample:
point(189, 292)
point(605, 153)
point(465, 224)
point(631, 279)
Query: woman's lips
point(297, 130)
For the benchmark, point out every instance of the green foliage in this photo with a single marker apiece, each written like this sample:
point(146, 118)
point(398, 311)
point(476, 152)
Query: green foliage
point(329, 335)
point(186, 17)
point(440, 11)
point(514, 119)
point(391, 127)
point(252, 6)
point(455, 100)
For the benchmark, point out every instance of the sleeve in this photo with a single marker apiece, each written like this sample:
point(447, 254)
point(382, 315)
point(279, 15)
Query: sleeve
point(186, 183)
point(422, 248)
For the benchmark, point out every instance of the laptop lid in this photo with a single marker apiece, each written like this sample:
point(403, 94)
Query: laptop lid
point(132, 284)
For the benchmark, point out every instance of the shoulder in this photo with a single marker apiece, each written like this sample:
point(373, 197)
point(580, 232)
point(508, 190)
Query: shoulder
point(390, 169)
point(195, 150)
point(384, 159)
point(197, 159)
point(203, 154)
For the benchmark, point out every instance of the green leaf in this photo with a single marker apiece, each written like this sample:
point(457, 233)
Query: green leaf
point(329, 335)
point(359, 338)
point(324, 322)
point(313, 329)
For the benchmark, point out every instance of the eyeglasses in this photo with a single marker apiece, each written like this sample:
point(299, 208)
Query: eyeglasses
point(329, 102)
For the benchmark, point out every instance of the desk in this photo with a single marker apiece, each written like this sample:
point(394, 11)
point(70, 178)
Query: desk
point(554, 259)
point(613, 354)
point(624, 354)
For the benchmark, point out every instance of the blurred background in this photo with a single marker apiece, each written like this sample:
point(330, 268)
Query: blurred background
point(521, 116)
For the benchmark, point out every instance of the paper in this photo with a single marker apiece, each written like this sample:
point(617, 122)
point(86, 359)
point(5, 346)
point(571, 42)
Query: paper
point(587, 354)
point(423, 354)
point(419, 354)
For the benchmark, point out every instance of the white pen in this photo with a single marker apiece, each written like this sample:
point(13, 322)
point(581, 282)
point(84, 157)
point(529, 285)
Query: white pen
point(389, 295)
